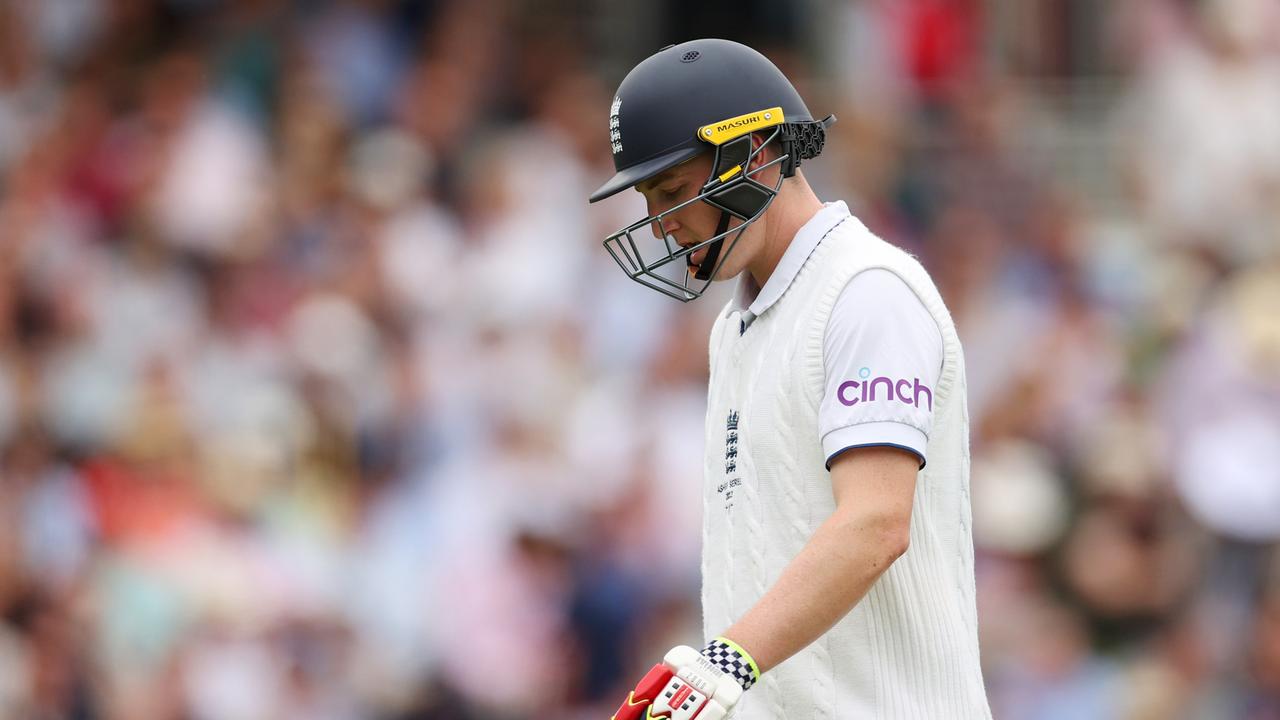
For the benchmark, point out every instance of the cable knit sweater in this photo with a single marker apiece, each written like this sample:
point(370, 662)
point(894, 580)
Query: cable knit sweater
point(909, 649)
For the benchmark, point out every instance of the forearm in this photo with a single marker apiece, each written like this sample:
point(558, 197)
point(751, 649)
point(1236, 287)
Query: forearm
point(832, 573)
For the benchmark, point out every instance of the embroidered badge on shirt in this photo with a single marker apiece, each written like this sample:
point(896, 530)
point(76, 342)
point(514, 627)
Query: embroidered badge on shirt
point(730, 460)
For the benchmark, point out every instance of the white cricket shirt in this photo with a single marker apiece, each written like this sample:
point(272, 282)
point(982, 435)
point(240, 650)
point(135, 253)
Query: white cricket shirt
point(882, 353)
point(787, 391)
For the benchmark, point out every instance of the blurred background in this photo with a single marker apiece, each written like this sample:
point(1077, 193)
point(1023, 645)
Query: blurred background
point(320, 399)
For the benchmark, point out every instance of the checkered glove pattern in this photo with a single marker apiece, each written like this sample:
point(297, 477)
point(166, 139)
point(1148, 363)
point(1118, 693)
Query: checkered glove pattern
point(733, 661)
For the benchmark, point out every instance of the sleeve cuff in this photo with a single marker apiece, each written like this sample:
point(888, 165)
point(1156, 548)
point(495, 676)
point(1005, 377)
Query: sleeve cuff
point(888, 433)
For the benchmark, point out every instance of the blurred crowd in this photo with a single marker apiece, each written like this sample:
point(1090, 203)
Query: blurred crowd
point(320, 399)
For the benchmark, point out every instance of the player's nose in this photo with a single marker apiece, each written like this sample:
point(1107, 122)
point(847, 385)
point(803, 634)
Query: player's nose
point(671, 226)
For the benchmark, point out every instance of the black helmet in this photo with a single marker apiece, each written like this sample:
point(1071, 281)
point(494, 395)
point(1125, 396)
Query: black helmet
point(682, 101)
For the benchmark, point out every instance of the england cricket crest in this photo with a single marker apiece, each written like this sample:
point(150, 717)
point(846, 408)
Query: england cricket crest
point(615, 131)
point(731, 480)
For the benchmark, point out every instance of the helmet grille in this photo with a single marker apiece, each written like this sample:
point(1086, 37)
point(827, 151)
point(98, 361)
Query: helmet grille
point(690, 56)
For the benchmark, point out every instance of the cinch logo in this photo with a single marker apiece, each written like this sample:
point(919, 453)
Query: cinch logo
point(908, 392)
point(738, 123)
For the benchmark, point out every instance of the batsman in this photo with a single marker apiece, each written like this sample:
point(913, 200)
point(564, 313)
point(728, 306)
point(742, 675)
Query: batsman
point(837, 558)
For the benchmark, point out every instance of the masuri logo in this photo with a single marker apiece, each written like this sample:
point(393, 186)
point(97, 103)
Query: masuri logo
point(738, 123)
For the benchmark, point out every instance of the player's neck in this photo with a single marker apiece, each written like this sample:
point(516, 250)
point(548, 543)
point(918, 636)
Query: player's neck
point(795, 205)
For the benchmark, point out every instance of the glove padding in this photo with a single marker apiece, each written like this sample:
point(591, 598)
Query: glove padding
point(684, 685)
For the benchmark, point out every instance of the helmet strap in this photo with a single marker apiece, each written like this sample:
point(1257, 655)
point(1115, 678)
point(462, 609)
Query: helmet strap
point(708, 265)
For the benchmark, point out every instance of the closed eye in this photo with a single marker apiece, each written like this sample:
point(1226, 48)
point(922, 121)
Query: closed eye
point(672, 194)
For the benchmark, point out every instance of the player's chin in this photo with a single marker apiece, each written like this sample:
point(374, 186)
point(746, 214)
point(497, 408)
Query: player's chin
point(694, 269)
point(694, 266)
point(721, 272)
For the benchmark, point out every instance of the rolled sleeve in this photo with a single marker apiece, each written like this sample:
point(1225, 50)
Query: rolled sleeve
point(871, 434)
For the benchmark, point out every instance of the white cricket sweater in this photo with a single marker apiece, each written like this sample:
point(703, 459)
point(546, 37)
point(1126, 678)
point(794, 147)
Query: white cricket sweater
point(909, 649)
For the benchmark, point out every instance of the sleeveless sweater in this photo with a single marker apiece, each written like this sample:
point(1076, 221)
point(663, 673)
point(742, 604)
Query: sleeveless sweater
point(909, 648)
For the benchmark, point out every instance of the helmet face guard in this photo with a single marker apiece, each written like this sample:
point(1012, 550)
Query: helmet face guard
point(733, 189)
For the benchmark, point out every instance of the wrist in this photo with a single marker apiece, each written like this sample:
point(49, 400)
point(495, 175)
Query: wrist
point(730, 658)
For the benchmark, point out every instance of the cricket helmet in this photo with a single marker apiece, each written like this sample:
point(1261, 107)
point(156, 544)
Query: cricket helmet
point(702, 96)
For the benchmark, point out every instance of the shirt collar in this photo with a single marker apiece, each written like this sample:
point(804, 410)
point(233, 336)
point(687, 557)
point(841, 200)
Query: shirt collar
point(752, 300)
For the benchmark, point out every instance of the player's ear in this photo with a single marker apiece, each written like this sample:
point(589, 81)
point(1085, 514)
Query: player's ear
point(760, 157)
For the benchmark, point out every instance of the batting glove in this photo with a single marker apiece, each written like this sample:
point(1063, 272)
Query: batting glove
point(688, 684)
